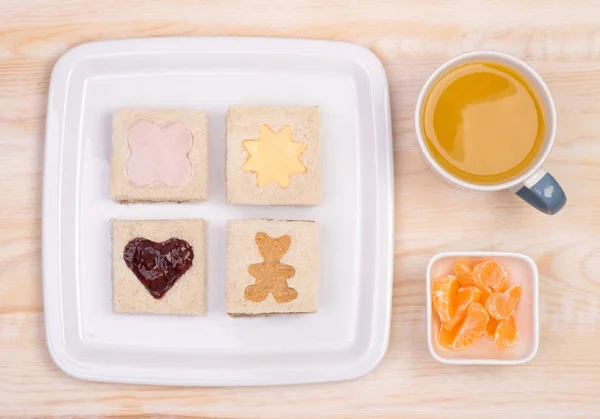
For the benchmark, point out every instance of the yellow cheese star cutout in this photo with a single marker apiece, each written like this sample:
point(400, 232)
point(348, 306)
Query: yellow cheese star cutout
point(274, 157)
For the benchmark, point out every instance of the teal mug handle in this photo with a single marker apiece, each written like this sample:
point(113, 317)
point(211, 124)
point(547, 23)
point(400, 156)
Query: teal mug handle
point(542, 192)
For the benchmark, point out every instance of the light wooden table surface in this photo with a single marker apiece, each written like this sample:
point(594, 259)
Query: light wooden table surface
point(560, 38)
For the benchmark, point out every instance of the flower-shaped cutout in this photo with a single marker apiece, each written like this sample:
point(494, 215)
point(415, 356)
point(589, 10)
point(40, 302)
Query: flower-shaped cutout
point(159, 154)
point(274, 157)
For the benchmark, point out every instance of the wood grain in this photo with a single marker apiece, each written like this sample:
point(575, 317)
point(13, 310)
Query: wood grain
point(559, 38)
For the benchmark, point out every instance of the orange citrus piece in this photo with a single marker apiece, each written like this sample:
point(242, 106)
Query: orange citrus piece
point(492, 275)
point(467, 332)
point(490, 330)
point(464, 298)
point(473, 326)
point(501, 305)
point(464, 273)
point(443, 290)
point(485, 290)
point(446, 338)
point(506, 333)
point(485, 294)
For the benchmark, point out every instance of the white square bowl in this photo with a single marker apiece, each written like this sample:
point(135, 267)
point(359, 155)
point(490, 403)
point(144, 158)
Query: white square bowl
point(349, 334)
point(521, 270)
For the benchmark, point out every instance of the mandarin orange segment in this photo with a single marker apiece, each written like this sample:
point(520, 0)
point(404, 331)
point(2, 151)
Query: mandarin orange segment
point(485, 290)
point(472, 327)
point(446, 338)
point(503, 288)
point(443, 290)
point(506, 333)
point(491, 275)
point(485, 294)
point(502, 304)
point(464, 298)
point(464, 273)
point(490, 330)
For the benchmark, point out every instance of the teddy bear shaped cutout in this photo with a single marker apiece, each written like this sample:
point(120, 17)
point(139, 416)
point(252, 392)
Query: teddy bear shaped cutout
point(271, 275)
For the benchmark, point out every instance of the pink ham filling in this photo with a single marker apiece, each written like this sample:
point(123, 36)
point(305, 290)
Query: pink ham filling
point(159, 154)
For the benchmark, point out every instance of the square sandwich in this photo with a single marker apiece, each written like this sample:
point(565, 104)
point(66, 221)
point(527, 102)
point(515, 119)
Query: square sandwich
point(159, 155)
point(272, 267)
point(158, 266)
point(273, 155)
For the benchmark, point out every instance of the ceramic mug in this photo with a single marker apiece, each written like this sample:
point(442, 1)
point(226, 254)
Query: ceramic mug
point(536, 186)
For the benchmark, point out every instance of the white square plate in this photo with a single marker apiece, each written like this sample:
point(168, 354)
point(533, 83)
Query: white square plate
point(349, 334)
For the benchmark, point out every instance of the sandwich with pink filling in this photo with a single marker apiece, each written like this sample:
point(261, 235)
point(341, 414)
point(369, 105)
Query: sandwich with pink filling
point(159, 155)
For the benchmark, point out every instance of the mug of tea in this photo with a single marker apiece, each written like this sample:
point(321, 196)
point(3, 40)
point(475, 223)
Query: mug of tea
point(486, 121)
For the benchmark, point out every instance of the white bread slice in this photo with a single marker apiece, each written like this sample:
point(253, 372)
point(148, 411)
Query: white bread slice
point(244, 123)
point(188, 294)
point(122, 189)
point(302, 255)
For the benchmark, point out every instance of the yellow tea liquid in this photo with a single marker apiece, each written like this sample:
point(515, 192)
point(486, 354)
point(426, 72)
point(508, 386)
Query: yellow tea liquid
point(483, 122)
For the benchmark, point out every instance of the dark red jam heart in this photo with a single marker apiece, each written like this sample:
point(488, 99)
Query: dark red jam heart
point(158, 265)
